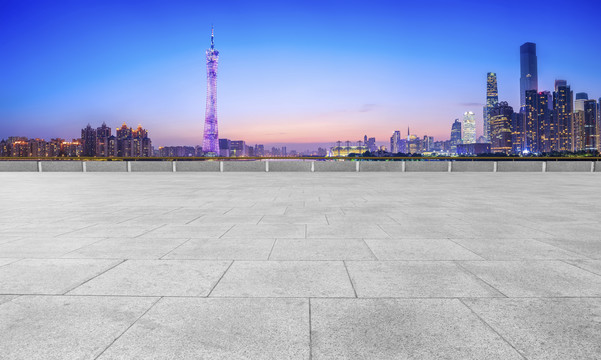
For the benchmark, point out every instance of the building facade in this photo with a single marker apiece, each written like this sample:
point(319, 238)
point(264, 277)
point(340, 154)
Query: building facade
point(528, 70)
point(492, 99)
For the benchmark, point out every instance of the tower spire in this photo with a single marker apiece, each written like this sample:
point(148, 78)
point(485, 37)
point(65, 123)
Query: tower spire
point(212, 36)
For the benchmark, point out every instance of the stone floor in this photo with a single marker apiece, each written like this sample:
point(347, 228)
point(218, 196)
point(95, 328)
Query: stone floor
point(300, 266)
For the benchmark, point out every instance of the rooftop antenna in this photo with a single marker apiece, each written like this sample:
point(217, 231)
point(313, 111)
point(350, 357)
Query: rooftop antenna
point(212, 36)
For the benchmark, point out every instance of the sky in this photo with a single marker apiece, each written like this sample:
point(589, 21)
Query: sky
point(300, 73)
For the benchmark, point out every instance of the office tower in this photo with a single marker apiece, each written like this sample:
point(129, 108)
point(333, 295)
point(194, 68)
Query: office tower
point(563, 104)
point(547, 125)
point(530, 135)
point(469, 128)
point(284, 151)
point(579, 100)
point(238, 148)
point(224, 147)
point(103, 133)
point(590, 126)
point(259, 150)
point(492, 99)
point(500, 128)
point(455, 135)
point(395, 141)
point(210, 144)
point(528, 70)
point(599, 125)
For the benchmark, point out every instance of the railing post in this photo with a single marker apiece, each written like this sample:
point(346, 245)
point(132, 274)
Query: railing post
point(174, 167)
point(544, 166)
point(129, 166)
point(39, 166)
point(450, 166)
point(221, 166)
point(357, 165)
point(403, 166)
point(83, 166)
point(495, 166)
point(266, 165)
point(312, 166)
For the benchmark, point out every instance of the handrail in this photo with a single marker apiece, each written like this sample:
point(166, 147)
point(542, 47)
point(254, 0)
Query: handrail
point(406, 158)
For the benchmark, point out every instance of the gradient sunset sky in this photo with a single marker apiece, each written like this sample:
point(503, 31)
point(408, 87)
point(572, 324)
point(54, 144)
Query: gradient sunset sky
point(289, 71)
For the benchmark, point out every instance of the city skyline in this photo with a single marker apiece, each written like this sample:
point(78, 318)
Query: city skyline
point(338, 102)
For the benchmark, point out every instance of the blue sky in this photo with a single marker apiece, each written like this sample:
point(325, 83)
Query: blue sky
point(289, 71)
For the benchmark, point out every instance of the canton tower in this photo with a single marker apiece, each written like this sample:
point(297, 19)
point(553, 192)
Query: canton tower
point(210, 143)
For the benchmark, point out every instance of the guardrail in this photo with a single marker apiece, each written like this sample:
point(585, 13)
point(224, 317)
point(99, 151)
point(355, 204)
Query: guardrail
point(305, 165)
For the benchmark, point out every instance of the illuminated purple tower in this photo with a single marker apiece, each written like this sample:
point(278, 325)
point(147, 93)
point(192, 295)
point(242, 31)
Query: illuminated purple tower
point(210, 143)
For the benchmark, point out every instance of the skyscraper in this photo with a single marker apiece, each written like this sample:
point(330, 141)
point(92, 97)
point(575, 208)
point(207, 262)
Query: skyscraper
point(468, 128)
point(590, 125)
point(547, 127)
point(455, 135)
point(531, 134)
point(395, 141)
point(528, 70)
point(210, 143)
point(563, 104)
point(492, 99)
point(500, 127)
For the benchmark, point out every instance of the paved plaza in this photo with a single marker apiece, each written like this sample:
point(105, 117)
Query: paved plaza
point(300, 266)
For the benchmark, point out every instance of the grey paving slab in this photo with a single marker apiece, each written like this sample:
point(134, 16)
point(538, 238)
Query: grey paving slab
point(243, 166)
point(223, 249)
point(65, 327)
point(593, 266)
point(321, 249)
point(49, 276)
point(368, 166)
point(43, 247)
point(515, 249)
point(198, 231)
point(412, 231)
point(266, 231)
point(402, 329)
point(218, 329)
point(536, 278)
point(569, 166)
point(7, 298)
point(419, 249)
point(292, 219)
point(531, 166)
point(6, 261)
point(111, 230)
point(545, 328)
point(227, 219)
point(415, 279)
point(127, 248)
point(285, 279)
point(427, 166)
point(156, 278)
point(341, 166)
point(341, 231)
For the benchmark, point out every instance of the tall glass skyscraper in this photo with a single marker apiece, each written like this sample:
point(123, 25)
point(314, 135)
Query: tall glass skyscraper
point(469, 128)
point(455, 135)
point(528, 70)
point(492, 99)
point(563, 105)
point(210, 143)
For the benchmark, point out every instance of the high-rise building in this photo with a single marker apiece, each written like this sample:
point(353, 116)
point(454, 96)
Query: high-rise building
point(395, 141)
point(455, 135)
point(224, 147)
point(579, 100)
point(500, 127)
point(531, 135)
point(492, 99)
point(563, 104)
point(210, 144)
point(591, 136)
point(468, 128)
point(103, 133)
point(88, 138)
point(528, 70)
point(547, 127)
point(238, 148)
